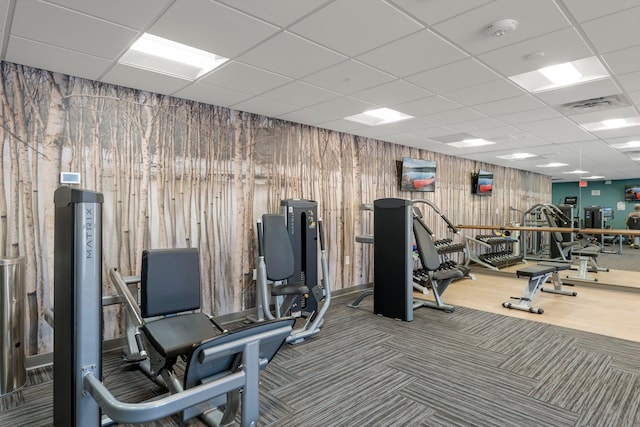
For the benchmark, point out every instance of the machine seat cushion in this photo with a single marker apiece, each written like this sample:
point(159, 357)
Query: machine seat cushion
point(289, 289)
point(589, 251)
point(541, 269)
point(447, 274)
point(176, 335)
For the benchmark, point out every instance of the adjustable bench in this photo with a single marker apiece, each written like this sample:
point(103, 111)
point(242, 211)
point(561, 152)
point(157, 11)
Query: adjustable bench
point(538, 275)
point(588, 257)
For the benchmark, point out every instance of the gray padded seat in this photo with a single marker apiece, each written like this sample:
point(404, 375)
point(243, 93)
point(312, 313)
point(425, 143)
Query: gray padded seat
point(170, 285)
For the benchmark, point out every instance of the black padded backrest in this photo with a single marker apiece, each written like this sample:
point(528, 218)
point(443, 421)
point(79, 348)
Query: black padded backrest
point(278, 253)
point(170, 281)
point(557, 236)
point(633, 222)
point(426, 249)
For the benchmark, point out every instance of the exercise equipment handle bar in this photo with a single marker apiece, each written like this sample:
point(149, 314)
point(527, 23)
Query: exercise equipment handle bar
point(260, 242)
point(435, 208)
point(321, 234)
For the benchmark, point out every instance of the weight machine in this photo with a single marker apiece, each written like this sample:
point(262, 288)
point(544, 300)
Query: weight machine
point(287, 268)
point(218, 367)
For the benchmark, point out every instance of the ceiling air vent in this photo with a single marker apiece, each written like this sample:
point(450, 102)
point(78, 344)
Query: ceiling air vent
point(594, 104)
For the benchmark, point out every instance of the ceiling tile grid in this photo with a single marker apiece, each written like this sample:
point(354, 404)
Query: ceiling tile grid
point(319, 61)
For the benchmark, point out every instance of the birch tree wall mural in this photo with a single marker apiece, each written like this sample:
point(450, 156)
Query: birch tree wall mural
point(177, 173)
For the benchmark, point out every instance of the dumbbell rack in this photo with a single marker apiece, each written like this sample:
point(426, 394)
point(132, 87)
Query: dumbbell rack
point(444, 247)
point(499, 255)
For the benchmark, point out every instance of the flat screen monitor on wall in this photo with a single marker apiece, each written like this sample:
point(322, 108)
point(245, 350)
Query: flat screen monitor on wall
point(632, 193)
point(482, 183)
point(418, 175)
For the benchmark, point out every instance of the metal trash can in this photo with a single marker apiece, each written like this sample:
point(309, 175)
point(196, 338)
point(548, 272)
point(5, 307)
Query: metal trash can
point(13, 373)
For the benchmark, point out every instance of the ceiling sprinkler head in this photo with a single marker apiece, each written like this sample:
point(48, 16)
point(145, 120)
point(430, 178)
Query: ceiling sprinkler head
point(501, 27)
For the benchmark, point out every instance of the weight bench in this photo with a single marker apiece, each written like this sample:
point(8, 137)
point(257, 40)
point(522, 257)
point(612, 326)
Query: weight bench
point(538, 275)
point(169, 327)
point(588, 257)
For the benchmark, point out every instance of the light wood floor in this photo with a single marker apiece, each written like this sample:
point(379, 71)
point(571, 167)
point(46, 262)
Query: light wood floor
point(598, 307)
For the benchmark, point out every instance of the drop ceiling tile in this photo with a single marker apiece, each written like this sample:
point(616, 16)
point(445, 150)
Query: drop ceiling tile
point(392, 93)
point(426, 106)
point(528, 116)
point(212, 95)
point(457, 75)
point(635, 97)
point(343, 27)
point(614, 32)
point(434, 11)
point(244, 78)
point(341, 125)
point(485, 92)
point(630, 82)
point(136, 78)
point(134, 14)
point(500, 133)
point(4, 8)
point(300, 94)
point(534, 19)
point(51, 58)
point(279, 12)
point(374, 132)
point(348, 77)
point(43, 22)
point(306, 116)
point(409, 125)
point(289, 55)
point(557, 130)
point(589, 90)
point(408, 140)
point(624, 60)
point(344, 107)
point(212, 27)
point(509, 105)
point(433, 132)
point(585, 10)
point(557, 47)
point(472, 126)
point(265, 107)
point(412, 54)
point(453, 116)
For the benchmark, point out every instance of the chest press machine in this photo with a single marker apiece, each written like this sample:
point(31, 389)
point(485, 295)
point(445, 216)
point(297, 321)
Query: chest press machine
point(538, 275)
point(222, 368)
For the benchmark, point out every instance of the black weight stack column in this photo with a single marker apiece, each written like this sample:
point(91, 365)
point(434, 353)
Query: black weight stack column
point(392, 258)
point(301, 217)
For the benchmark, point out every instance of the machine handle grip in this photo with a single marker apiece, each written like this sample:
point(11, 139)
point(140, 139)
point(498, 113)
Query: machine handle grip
point(449, 224)
point(321, 234)
point(260, 242)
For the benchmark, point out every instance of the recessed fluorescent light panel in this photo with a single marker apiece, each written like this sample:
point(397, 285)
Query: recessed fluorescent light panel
point(611, 124)
point(577, 171)
point(381, 116)
point(630, 144)
point(593, 177)
point(561, 75)
point(516, 156)
point(552, 165)
point(473, 142)
point(175, 59)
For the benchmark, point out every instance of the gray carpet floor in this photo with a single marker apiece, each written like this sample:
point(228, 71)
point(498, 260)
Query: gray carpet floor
point(467, 368)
